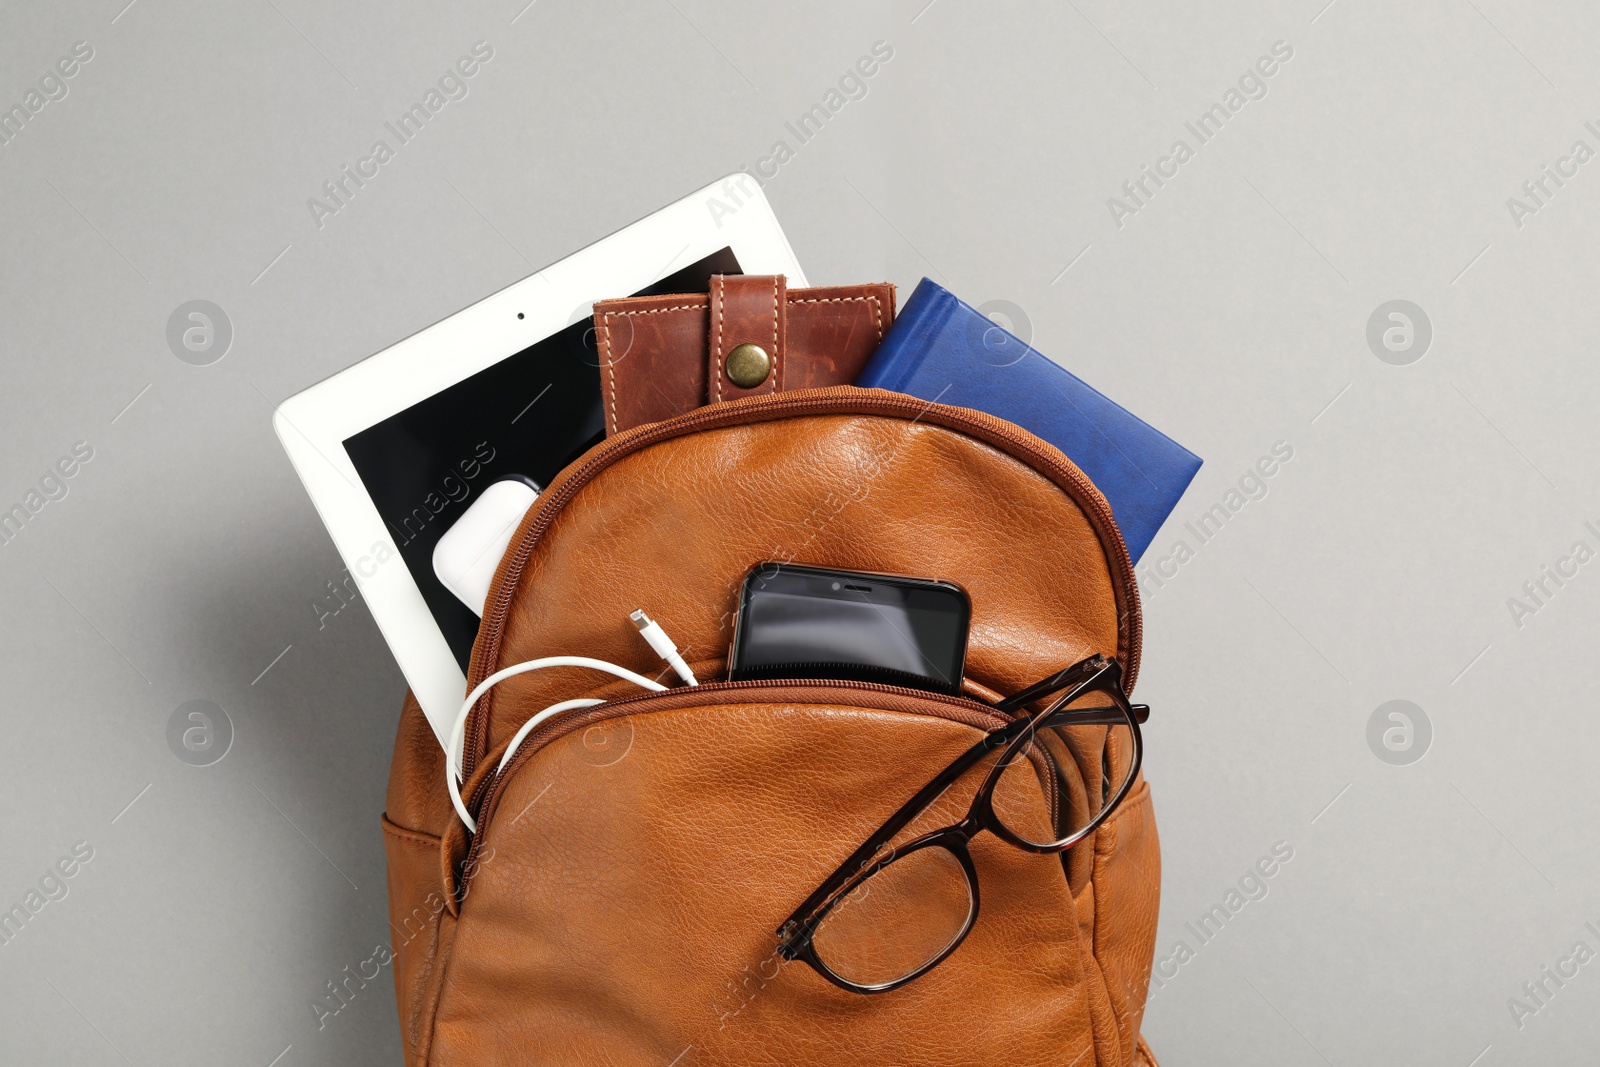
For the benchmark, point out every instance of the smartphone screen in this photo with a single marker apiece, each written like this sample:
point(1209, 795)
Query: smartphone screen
point(806, 622)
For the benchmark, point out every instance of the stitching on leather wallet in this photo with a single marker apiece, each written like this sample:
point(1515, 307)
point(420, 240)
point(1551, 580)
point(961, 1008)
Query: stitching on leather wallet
point(605, 345)
point(877, 318)
point(611, 365)
point(775, 309)
point(716, 339)
point(656, 311)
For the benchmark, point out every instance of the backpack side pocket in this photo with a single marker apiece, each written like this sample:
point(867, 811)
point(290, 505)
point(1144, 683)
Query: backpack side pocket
point(416, 905)
point(1127, 895)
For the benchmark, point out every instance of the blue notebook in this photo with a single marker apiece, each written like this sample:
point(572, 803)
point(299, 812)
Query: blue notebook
point(944, 350)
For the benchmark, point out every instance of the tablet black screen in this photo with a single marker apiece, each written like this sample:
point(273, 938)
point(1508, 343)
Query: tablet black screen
point(530, 414)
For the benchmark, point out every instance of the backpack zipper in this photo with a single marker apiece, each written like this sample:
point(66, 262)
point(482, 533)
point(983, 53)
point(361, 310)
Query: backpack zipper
point(813, 691)
point(1006, 436)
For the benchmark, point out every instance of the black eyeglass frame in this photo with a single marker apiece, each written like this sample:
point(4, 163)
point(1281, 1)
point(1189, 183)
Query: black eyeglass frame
point(1091, 676)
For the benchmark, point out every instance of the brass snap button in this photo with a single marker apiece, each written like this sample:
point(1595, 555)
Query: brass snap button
point(748, 365)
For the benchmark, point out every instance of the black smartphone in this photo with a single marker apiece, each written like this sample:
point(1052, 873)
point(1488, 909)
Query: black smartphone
point(808, 622)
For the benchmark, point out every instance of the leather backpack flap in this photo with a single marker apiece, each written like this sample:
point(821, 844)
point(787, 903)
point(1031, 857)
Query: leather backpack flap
point(631, 876)
point(662, 356)
point(847, 478)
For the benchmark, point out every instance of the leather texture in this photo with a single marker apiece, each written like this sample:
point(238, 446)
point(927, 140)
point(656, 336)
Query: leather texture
point(634, 860)
point(746, 309)
point(662, 356)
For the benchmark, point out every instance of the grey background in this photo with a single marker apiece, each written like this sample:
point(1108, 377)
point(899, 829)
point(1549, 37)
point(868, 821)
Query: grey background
point(1231, 311)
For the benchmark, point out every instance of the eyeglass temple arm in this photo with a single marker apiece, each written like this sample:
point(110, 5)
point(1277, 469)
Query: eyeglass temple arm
point(1054, 683)
point(869, 849)
point(1097, 716)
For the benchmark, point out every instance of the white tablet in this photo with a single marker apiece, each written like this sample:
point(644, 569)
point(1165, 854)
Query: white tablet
point(394, 449)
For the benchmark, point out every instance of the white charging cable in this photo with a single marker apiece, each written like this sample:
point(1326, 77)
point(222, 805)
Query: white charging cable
point(658, 640)
point(538, 720)
point(454, 750)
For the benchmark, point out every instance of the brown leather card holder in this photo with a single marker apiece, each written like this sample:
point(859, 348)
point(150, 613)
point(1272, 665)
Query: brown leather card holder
point(661, 356)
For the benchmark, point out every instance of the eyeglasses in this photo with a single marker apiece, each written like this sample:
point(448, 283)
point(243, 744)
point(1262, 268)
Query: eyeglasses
point(888, 916)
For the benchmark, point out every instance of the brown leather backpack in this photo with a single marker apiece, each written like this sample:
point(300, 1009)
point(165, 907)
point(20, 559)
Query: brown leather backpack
point(619, 900)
